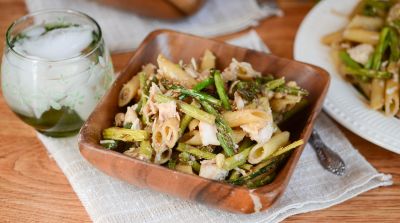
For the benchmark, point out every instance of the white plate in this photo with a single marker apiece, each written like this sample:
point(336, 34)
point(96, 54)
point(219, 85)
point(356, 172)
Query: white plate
point(343, 102)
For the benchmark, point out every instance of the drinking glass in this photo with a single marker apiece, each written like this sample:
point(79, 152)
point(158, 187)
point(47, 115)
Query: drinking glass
point(55, 68)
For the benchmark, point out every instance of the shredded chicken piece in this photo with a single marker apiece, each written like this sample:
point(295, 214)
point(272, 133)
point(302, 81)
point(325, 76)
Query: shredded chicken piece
point(361, 53)
point(210, 170)
point(241, 70)
point(238, 100)
point(208, 134)
point(167, 110)
point(132, 117)
point(259, 132)
point(150, 108)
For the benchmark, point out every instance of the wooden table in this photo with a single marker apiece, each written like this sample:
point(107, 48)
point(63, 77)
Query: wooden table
point(33, 189)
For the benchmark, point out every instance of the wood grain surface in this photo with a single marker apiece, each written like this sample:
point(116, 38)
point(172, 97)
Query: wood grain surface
point(33, 189)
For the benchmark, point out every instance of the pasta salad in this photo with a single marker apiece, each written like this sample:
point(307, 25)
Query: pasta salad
point(366, 52)
point(196, 119)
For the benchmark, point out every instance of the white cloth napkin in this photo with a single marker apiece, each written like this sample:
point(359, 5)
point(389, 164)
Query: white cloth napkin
point(311, 188)
point(124, 31)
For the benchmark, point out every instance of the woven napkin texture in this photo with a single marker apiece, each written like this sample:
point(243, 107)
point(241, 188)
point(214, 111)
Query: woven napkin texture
point(123, 31)
point(311, 188)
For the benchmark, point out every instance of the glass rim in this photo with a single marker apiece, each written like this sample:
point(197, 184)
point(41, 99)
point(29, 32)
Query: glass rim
point(48, 11)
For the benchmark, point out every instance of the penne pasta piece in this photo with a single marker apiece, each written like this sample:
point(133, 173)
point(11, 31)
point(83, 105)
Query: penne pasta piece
point(128, 91)
point(259, 153)
point(192, 138)
point(149, 69)
point(170, 132)
point(392, 91)
point(207, 61)
point(282, 104)
point(246, 116)
point(377, 94)
point(157, 138)
point(366, 22)
point(193, 124)
point(162, 156)
point(361, 36)
point(184, 168)
point(119, 119)
point(391, 97)
point(173, 72)
point(332, 37)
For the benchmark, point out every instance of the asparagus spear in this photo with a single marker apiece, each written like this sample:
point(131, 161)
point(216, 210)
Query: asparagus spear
point(203, 84)
point(219, 85)
point(368, 73)
point(145, 151)
point(248, 89)
point(200, 86)
point(197, 94)
point(236, 160)
point(298, 107)
point(292, 90)
point(172, 164)
point(272, 85)
point(261, 180)
point(380, 48)
point(348, 61)
point(195, 151)
point(394, 45)
point(224, 134)
point(184, 123)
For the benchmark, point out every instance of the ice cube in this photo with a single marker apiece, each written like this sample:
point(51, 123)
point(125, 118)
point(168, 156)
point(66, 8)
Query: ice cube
point(57, 44)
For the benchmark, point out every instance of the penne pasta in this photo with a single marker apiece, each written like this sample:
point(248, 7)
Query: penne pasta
point(174, 72)
point(162, 156)
point(193, 124)
point(332, 37)
point(361, 36)
point(170, 132)
point(207, 61)
point(246, 116)
point(128, 91)
point(392, 91)
point(261, 152)
point(377, 94)
point(280, 105)
point(365, 22)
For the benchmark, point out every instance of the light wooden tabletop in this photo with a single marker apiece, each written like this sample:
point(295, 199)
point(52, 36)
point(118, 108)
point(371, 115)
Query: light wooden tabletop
point(33, 189)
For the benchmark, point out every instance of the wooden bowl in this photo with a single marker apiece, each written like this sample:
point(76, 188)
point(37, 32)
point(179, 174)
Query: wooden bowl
point(221, 195)
point(163, 9)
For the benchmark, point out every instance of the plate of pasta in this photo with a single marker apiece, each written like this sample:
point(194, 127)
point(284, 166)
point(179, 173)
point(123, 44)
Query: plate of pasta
point(205, 121)
point(357, 42)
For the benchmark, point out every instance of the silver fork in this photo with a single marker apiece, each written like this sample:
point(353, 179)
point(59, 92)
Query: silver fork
point(329, 159)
